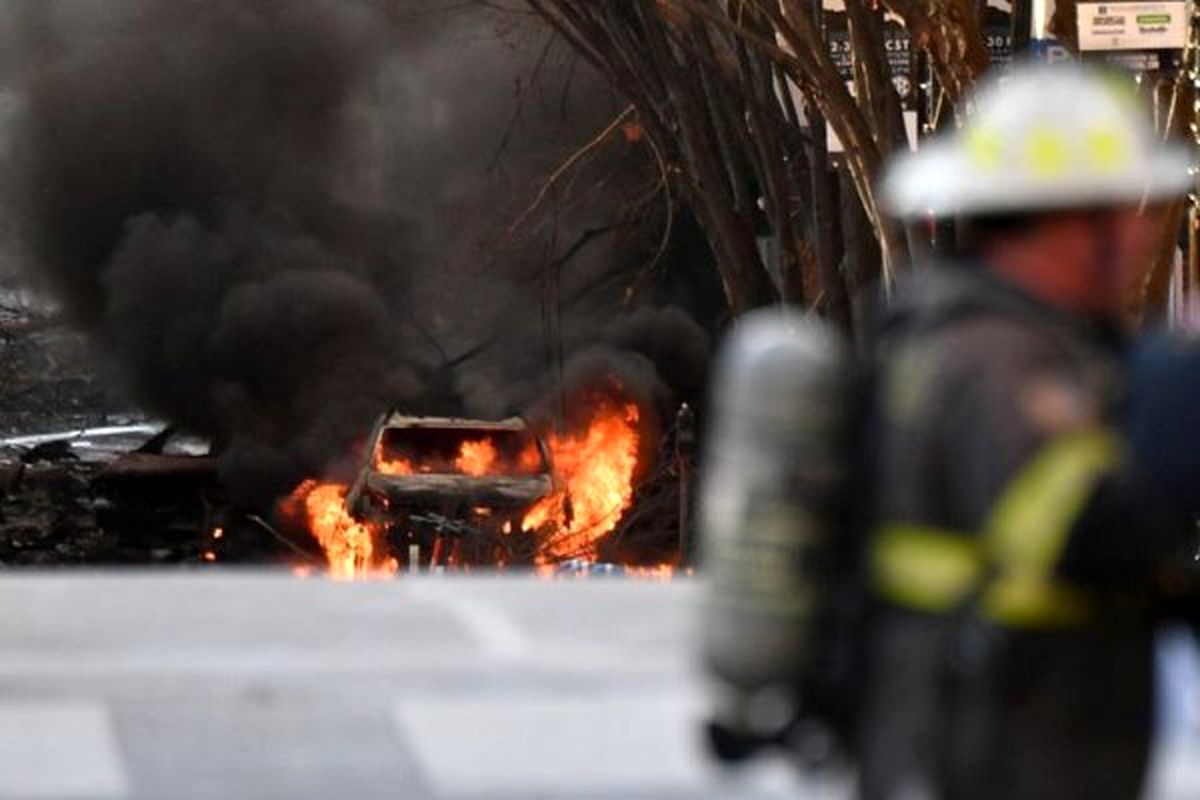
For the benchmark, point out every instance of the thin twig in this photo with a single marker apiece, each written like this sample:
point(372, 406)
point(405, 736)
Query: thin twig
point(566, 166)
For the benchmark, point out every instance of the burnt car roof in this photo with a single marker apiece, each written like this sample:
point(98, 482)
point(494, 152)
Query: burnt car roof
point(490, 491)
point(421, 489)
point(396, 419)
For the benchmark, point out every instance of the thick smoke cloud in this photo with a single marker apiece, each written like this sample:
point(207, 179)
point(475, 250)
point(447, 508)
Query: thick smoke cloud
point(655, 357)
point(281, 217)
point(183, 176)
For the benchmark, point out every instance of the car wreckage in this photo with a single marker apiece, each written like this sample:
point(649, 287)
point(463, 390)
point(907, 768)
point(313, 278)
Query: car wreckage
point(453, 491)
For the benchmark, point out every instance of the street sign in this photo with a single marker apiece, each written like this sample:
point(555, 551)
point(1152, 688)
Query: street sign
point(898, 53)
point(1133, 25)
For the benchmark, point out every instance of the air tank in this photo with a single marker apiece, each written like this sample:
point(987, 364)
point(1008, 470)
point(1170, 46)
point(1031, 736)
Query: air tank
point(772, 485)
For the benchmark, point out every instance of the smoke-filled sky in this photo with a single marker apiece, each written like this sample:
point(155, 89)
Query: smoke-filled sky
point(280, 217)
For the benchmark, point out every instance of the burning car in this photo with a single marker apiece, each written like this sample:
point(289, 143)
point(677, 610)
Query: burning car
point(442, 492)
point(449, 491)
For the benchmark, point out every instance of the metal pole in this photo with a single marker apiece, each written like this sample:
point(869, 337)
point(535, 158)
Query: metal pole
point(1190, 274)
point(1188, 282)
point(685, 440)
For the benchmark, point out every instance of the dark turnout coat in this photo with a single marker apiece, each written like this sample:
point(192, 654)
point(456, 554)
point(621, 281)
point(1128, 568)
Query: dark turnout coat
point(1010, 552)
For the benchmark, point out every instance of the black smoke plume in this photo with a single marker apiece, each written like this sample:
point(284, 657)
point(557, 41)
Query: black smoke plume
point(183, 175)
point(281, 217)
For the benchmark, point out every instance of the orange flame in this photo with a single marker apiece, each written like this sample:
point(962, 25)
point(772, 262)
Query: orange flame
point(657, 573)
point(349, 545)
point(477, 458)
point(393, 466)
point(595, 468)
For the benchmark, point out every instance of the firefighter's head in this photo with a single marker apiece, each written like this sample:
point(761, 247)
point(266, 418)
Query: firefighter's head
point(1089, 261)
point(1052, 175)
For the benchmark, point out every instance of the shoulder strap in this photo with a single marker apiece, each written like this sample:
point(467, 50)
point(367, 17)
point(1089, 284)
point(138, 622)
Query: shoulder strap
point(945, 296)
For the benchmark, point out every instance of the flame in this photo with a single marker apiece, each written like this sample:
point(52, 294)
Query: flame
point(657, 573)
point(595, 469)
point(349, 545)
point(477, 458)
point(393, 466)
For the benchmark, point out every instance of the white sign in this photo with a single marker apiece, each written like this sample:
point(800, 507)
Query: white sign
point(1133, 26)
point(1041, 12)
point(834, 145)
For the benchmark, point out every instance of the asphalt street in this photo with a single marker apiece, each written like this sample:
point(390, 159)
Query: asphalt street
point(251, 685)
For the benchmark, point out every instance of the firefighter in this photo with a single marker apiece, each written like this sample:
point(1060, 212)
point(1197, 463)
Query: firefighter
point(1014, 541)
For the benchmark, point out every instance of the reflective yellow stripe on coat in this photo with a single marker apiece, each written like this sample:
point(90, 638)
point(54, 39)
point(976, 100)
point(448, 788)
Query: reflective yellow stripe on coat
point(1010, 567)
point(925, 568)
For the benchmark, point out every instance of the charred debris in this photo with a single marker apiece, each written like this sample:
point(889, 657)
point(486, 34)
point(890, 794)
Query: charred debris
point(287, 217)
point(84, 498)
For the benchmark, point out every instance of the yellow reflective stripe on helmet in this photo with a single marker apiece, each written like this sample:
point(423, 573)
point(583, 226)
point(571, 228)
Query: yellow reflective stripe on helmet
point(1106, 150)
point(1047, 152)
point(984, 148)
point(1028, 530)
point(928, 569)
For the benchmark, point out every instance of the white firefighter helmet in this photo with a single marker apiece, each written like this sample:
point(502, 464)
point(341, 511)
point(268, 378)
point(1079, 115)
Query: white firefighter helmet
point(1040, 138)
